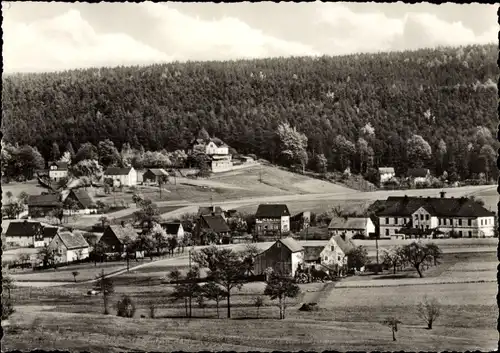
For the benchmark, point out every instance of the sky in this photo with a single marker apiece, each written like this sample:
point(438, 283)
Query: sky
point(51, 36)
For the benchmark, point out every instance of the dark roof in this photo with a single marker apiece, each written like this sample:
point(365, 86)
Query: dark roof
point(73, 240)
point(291, 244)
point(118, 171)
point(157, 171)
point(122, 232)
point(345, 245)
point(348, 223)
point(83, 197)
point(272, 211)
point(44, 200)
point(23, 228)
point(208, 210)
point(300, 216)
point(60, 165)
point(440, 207)
point(171, 228)
point(216, 223)
point(50, 232)
point(418, 172)
point(312, 253)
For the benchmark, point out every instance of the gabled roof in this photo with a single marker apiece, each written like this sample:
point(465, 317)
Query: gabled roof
point(312, 253)
point(384, 170)
point(439, 207)
point(83, 197)
point(418, 172)
point(348, 223)
point(216, 223)
point(272, 211)
point(73, 240)
point(208, 210)
point(171, 228)
point(23, 229)
point(345, 245)
point(291, 244)
point(123, 232)
point(118, 171)
point(50, 232)
point(44, 200)
point(157, 171)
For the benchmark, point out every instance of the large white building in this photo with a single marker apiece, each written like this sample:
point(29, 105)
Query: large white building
point(217, 151)
point(426, 216)
point(58, 170)
point(122, 176)
point(351, 226)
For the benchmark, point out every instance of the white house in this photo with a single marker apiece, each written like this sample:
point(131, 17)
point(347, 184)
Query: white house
point(26, 234)
point(173, 229)
point(336, 251)
point(428, 217)
point(69, 247)
point(351, 226)
point(386, 174)
point(122, 176)
point(58, 170)
point(217, 151)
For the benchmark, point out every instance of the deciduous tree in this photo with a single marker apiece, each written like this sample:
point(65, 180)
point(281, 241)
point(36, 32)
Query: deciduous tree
point(281, 287)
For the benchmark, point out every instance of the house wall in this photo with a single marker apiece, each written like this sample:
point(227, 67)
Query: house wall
point(389, 226)
point(77, 254)
point(111, 242)
point(348, 232)
point(221, 165)
point(84, 211)
point(127, 180)
point(332, 254)
point(39, 211)
point(22, 241)
point(60, 250)
point(297, 259)
point(370, 227)
point(42, 243)
point(57, 174)
point(386, 176)
point(468, 227)
point(212, 148)
point(180, 233)
point(420, 180)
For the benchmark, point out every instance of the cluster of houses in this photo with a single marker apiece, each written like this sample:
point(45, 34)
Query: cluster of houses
point(416, 176)
point(76, 201)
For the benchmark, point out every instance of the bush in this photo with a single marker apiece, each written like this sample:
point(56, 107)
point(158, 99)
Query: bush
point(309, 307)
point(125, 307)
point(7, 308)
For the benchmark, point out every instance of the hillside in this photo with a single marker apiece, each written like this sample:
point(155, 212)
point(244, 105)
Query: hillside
point(384, 99)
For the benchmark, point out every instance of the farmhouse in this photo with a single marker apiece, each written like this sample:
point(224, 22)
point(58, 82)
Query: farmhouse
point(386, 174)
point(300, 221)
point(351, 226)
point(122, 176)
point(115, 237)
point(217, 151)
point(29, 234)
point(284, 256)
point(211, 224)
point(69, 247)
point(42, 205)
point(419, 216)
point(81, 200)
point(335, 252)
point(173, 229)
point(419, 175)
point(272, 220)
point(58, 170)
point(155, 176)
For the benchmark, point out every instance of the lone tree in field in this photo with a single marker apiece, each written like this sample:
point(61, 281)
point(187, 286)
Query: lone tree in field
point(392, 322)
point(281, 287)
point(429, 310)
point(75, 274)
point(213, 291)
point(417, 254)
point(226, 268)
point(104, 285)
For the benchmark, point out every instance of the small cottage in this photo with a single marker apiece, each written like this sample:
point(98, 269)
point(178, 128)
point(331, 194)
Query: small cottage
point(58, 170)
point(284, 256)
point(115, 238)
point(212, 223)
point(419, 175)
point(121, 176)
point(29, 234)
point(334, 254)
point(173, 229)
point(351, 226)
point(84, 203)
point(69, 247)
point(43, 205)
point(386, 174)
point(155, 176)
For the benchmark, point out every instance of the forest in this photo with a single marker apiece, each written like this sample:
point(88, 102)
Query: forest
point(439, 104)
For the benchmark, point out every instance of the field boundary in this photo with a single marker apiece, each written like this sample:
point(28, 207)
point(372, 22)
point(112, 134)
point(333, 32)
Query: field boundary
point(413, 284)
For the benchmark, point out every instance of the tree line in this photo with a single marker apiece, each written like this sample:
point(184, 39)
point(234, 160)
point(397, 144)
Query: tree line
point(355, 110)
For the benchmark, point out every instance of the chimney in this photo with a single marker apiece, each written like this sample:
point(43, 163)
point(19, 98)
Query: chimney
point(442, 193)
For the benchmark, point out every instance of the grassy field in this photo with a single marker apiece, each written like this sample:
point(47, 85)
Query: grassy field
point(348, 319)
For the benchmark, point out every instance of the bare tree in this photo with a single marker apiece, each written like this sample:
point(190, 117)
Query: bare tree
point(429, 310)
point(392, 322)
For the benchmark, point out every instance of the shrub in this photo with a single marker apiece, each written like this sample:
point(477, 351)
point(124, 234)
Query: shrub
point(309, 307)
point(7, 308)
point(125, 307)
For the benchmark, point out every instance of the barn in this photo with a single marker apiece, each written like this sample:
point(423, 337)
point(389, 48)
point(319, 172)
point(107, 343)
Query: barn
point(284, 256)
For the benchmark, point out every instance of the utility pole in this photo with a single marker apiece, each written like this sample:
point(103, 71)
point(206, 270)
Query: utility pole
point(376, 246)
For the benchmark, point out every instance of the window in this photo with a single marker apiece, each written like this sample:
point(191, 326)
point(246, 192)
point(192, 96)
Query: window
point(461, 234)
point(338, 258)
point(481, 222)
point(326, 258)
point(416, 217)
point(387, 232)
point(395, 220)
point(332, 248)
point(426, 217)
point(451, 222)
point(387, 221)
point(421, 217)
point(459, 222)
point(439, 220)
point(469, 222)
point(278, 245)
point(427, 226)
point(470, 234)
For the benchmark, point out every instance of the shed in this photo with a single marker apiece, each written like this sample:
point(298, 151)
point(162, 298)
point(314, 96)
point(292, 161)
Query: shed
point(284, 256)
